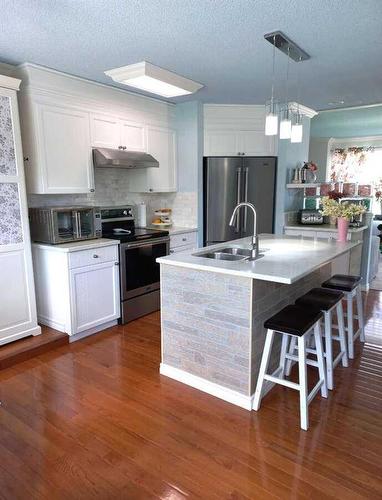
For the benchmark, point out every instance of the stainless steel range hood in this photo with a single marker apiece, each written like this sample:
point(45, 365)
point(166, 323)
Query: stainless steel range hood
point(118, 158)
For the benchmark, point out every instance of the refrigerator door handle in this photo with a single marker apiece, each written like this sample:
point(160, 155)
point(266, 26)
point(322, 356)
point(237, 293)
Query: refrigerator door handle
point(238, 196)
point(245, 197)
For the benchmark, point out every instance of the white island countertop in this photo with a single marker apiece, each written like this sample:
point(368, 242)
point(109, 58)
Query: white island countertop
point(322, 227)
point(286, 259)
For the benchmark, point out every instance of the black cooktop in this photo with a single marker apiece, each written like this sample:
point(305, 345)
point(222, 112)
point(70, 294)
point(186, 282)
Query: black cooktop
point(135, 234)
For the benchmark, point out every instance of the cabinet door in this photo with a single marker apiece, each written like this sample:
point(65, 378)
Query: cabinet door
point(161, 144)
point(133, 136)
point(221, 143)
point(94, 295)
point(254, 143)
point(64, 146)
point(105, 131)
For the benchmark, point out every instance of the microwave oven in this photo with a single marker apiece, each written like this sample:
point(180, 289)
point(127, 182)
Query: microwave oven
point(57, 225)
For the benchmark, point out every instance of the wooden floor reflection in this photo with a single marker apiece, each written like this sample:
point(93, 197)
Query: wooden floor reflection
point(94, 419)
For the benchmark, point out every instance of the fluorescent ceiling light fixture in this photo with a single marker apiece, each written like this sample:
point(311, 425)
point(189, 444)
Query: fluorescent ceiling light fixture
point(146, 76)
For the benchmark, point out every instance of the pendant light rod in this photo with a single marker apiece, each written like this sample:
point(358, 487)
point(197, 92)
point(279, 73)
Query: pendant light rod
point(283, 43)
point(273, 74)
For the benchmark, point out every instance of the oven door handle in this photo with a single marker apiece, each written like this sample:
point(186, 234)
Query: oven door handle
point(145, 243)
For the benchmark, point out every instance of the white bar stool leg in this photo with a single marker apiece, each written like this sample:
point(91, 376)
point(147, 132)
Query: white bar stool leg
point(329, 348)
point(292, 347)
point(349, 300)
point(320, 360)
point(283, 352)
point(303, 382)
point(263, 368)
point(341, 334)
point(361, 324)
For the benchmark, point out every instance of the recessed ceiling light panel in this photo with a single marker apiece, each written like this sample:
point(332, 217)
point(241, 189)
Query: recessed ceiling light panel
point(153, 79)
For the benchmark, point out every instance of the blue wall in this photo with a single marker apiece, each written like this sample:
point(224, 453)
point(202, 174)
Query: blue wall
point(359, 122)
point(290, 155)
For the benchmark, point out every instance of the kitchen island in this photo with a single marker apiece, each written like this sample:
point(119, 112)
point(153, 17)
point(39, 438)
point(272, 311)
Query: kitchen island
point(213, 310)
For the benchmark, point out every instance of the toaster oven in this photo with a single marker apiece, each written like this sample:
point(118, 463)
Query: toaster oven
point(56, 225)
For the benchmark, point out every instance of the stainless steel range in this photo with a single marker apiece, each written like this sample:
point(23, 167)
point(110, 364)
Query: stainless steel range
point(138, 250)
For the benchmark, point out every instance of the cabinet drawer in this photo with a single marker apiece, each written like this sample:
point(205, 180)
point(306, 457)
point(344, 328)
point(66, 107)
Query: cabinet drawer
point(182, 249)
point(181, 240)
point(93, 256)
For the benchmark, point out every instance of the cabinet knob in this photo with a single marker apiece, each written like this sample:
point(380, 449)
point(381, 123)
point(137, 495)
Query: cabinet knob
point(26, 158)
point(184, 239)
point(171, 251)
point(151, 190)
point(95, 256)
point(116, 263)
point(124, 147)
point(92, 190)
point(120, 147)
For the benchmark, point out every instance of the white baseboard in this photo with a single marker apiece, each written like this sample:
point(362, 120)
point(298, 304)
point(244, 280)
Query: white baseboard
point(36, 330)
point(204, 385)
point(91, 331)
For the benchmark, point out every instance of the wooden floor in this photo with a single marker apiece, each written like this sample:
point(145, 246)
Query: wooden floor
point(94, 419)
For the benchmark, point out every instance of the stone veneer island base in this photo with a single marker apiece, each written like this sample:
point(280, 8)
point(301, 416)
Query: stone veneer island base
point(212, 313)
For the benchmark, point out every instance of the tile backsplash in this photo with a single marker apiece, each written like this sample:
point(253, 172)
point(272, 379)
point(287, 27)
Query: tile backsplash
point(112, 189)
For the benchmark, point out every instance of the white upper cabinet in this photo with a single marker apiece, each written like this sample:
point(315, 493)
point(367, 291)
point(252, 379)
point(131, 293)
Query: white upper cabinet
point(57, 148)
point(105, 131)
point(65, 155)
point(133, 136)
point(161, 144)
point(111, 132)
point(236, 131)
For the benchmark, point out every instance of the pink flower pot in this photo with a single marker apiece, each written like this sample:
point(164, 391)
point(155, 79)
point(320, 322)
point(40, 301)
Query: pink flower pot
point(343, 227)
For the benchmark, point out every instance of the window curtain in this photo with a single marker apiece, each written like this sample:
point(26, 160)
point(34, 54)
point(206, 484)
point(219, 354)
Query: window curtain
point(351, 164)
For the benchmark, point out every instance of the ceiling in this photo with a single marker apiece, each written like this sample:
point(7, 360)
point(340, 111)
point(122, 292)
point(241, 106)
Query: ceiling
point(216, 42)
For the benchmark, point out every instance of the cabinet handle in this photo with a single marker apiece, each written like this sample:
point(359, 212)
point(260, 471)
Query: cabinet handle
point(116, 263)
point(95, 256)
point(184, 239)
point(120, 147)
point(171, 251)
point(92, 190)
point(26, 158)
point(124, 147)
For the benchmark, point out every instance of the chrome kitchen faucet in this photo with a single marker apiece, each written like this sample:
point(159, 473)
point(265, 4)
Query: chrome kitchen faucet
point(255, 238)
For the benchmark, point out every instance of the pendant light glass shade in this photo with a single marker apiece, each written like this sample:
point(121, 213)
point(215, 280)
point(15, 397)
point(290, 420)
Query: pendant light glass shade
point(296, 132)
point(271, 118)
point(285, 125)
point(271, 124)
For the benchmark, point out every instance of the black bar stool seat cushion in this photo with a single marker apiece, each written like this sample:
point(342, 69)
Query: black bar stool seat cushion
point(342, 282)
point(294, 320)
point(322, 299)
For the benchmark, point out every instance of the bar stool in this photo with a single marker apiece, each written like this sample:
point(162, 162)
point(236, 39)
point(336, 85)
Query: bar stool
point(326, 301)
point(351, 287)
point(293, 321)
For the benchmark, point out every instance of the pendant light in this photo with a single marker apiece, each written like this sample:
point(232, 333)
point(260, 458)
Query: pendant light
point(296, 131)
point(272, 119)
point(286, 122)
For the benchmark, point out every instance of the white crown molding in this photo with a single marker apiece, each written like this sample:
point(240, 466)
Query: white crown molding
point(350, 108)
point(303, 110)
point(9, 82)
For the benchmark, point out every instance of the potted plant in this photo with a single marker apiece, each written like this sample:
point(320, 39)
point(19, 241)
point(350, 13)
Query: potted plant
point(334, 195)
point(378, 192)
point(344, 212)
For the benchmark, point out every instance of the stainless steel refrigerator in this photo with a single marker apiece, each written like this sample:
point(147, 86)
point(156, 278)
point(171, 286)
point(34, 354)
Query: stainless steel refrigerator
point(229, 181)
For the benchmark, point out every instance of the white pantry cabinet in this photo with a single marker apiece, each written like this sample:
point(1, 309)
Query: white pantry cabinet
point(161, 144)
point(111, 132)
point(57, 149)
point(18, 316)
point(78, 286)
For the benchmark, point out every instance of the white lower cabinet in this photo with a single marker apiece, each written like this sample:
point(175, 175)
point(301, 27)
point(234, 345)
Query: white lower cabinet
point(94, 295)
point(183, 241)
point(77, 289)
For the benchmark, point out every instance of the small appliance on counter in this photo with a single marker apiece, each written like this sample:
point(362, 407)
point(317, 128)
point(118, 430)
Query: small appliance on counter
point(309, 216)
point(162, 218)
point(55, 225)
point(138, 250)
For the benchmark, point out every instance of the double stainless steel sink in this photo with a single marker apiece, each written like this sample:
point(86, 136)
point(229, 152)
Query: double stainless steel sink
point(229, 253)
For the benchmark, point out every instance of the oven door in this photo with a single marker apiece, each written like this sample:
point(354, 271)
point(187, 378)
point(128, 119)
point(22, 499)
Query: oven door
point(85, 223)
point(140, 273)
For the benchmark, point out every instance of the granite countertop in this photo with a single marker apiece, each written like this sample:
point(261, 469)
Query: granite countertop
point(76, 246)
point(322, 227)
point(286, 259)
